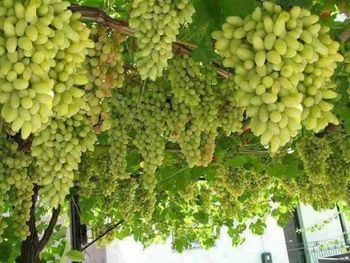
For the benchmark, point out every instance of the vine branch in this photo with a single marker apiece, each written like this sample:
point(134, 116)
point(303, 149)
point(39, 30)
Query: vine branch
point(49, 230)
point(102, 235)
point(99, 16)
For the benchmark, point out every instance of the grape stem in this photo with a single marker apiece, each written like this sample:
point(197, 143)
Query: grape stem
point(97, 15)
point(103, 234)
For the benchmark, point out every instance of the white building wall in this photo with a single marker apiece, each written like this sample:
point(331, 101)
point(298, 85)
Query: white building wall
point(273, 241)
point(128, 251)
point(309, 217)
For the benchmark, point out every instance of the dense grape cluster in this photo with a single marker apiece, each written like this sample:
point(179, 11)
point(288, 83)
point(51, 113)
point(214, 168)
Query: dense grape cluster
point(347, 65)
point(69, 74)
point(314, 152)
point(151, 113)
point(283, 63)
point(15, 187)
point(94, 173)
point(326, 164)
point(123, 105)
point(199, 108)
point(142, 111)
point(233, 183)
point(105, 65)
point(41, 44)
point(230, 114)
point(58, 148)
point(156, 25)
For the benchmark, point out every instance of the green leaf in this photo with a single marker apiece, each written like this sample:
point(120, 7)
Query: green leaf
point(240, 8)
point(75, 255)
point(237, 161)
point(5, 254)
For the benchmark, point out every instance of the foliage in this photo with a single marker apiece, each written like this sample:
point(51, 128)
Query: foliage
point(174, 157)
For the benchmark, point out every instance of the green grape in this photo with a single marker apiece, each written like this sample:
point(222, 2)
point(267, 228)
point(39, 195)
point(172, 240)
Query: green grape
point(195, 107)
point(16, 187)
point(122, 112)
point(156, 25)
point(94, 173)
point(345, 148)
point(326, 170)
point(57, 149)
point(314, 152)
point(283, 62)
point(347, 64)
point(69, 74)
point(106, 66)
point(231, 116)
point(35, 38)
point(151, 113)
point(142, 110)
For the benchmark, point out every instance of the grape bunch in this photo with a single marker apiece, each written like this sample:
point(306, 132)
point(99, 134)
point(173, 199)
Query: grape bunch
point(195, 107)
point(140, 112)
point(326, 164)
point(314, 152)
point(231, 115)
point(58, 148)
point(95, 173)
point(105, 64)
point(283, 63)
point(347, 65)
point(156, 25)
point(34, 35)
point(69, 73)
point(151, 112)
point(123, 105)
point(16, 187)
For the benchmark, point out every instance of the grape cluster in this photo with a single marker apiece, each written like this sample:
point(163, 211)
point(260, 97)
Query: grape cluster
point(283, 62)
point(230, 114)
point(94, 173)
point(34, 38)
point(123, 105)
point(105, 64)
point(58, 148)
point(314, 152)
point(151, 112)
point(156, 25)
point(326, 162)
point(15, 187)
point(199, 108)
point(347, 64)
point(142, 111)
point(69, 74)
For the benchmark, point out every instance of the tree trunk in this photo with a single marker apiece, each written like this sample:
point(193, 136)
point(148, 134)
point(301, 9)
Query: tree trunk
point(32, 246)
point(29, 247)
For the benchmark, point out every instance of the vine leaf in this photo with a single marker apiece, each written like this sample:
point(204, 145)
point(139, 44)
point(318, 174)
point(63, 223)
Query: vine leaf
point(75, 255)
point(237, 161)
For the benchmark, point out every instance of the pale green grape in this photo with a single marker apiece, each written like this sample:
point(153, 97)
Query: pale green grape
point(283, 62)
point(57, 149)
point(156, 25)
point(16, 187)
point(35, 36)
point(105, 64)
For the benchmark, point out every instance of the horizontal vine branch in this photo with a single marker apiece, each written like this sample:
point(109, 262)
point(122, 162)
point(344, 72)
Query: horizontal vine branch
point(99, 16)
